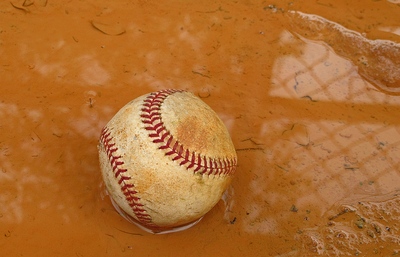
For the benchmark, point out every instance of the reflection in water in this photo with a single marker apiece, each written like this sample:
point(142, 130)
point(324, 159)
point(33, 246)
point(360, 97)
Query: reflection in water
point(337, 150)
point(377, 60)
point(313, 137)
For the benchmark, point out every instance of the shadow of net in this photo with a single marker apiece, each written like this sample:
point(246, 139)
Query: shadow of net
point(332, 150)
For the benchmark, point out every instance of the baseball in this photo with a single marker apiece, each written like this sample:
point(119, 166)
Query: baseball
point(166, 159)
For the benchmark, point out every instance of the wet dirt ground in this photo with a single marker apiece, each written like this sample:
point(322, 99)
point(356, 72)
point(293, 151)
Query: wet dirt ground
point(309, 90)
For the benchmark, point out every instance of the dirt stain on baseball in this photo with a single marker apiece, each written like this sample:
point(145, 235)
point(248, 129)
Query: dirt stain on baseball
point(309, 92)
point(190, 137)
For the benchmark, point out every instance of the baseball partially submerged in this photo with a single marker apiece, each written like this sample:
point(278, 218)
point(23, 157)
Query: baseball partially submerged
point(166, 159)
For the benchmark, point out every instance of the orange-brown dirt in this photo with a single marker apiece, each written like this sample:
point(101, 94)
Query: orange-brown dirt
point(309, 91)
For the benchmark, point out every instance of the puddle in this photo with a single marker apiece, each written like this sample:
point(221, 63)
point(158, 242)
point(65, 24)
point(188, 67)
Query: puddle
point(308, 92)
point(378, 60)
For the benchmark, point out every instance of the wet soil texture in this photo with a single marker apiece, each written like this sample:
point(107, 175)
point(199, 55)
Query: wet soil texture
point(309, 91)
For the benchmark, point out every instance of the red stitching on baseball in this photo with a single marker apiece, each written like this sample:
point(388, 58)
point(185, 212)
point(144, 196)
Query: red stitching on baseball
point(151, 117)
point(127, 188)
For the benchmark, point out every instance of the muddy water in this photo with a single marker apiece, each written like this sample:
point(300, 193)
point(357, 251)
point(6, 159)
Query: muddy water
point(308, 90)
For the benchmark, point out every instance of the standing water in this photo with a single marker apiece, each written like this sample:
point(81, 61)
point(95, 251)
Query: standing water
point(309, 91)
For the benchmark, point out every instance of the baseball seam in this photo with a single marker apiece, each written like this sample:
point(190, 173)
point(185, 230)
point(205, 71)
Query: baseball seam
point(152, 119)
point(127, 187)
